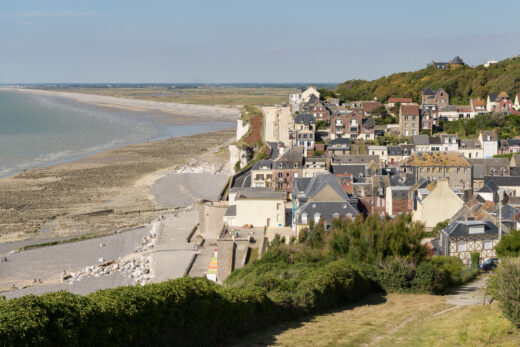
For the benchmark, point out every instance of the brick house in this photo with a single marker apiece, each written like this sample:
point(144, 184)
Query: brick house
point(431, 99)
point(317, 109)
point(287, 167)
point(352, 126)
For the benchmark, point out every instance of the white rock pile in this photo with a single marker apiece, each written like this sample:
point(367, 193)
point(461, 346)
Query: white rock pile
point(197, 166)
point(137, 266)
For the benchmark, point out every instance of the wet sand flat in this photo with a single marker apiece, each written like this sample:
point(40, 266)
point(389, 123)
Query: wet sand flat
point(95, 195)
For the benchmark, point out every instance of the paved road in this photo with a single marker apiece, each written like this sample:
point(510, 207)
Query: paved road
point(470, 294)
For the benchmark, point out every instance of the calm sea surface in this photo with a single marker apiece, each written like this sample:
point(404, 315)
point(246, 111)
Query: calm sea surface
point(37, 131)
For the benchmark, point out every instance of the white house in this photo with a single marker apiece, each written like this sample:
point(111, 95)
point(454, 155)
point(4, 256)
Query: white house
point(489, 142)
point(260, 207)
point(381, 151)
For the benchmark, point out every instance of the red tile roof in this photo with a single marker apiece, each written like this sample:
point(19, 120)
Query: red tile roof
point(401, 100)
point(410, 110)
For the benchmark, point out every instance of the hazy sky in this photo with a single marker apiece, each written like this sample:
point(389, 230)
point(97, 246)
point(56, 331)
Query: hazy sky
point(246, 40)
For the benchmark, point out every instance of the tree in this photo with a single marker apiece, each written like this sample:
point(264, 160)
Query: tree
point(509, 245)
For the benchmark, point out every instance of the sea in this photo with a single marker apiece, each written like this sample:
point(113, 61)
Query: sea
point(42, 130)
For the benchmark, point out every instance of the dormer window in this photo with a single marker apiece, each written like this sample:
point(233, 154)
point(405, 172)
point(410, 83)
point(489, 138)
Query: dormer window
point(304, 218)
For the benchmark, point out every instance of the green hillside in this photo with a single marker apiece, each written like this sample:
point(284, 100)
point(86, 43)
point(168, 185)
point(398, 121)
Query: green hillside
point(462, 84)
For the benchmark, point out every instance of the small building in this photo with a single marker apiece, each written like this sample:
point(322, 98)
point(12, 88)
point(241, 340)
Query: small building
point(433, 166)
point(304, 129)
point(395, 154)
point(262, 174)
point(438, 203)
point(453, 64)
point(478, 106)
point(260, 207)
point(320, 198)
point(287, 167)
point(339, 146)
point(489, 142)
point(509, 146)
point(315, 165)
point(499, 103)
point(352, 126)
point(449, 142)
point(398, 200)
point(471, 149)
point(409, 121)
point(488, 167)
point(381, 151)
point(462, 238)
point(431, 99)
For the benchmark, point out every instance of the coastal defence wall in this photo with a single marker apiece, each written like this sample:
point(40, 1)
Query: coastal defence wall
point(211, 218)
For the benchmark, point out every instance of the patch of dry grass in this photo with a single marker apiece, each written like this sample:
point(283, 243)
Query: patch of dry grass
point(400, 320)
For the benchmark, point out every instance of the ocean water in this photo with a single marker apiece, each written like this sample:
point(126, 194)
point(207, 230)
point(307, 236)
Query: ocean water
point(38, 130)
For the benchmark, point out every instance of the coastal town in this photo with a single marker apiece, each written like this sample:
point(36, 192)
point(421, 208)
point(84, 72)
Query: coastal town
point(325, 162)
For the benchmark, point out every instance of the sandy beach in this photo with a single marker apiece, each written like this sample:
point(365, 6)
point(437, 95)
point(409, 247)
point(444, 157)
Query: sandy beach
point(198, 112)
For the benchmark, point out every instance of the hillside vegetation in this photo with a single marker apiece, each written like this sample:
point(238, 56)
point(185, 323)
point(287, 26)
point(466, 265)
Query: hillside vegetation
point(462, 84)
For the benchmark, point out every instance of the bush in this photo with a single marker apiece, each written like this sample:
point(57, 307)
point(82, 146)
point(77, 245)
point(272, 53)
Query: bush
point(509, 245)
point(504, 286)
point(183, 312)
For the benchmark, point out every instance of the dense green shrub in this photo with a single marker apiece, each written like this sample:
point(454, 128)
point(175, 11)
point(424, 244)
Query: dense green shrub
point(504, 286)
point(509, 245)
point(475, 260)
point(180, 312)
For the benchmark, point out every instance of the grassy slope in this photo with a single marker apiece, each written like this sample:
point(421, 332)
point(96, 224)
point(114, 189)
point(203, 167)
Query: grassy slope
point(395, 320)
point(461, 84)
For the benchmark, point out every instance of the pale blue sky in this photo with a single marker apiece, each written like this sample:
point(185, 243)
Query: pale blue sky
point(247, 40)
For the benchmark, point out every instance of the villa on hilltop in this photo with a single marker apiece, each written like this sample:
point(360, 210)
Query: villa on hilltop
point(453, 64)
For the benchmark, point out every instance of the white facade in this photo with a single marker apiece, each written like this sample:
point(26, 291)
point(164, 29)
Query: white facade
point(489, 147)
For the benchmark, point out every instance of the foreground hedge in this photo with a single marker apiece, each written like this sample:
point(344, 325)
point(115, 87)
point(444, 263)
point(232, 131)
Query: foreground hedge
point(182, 312)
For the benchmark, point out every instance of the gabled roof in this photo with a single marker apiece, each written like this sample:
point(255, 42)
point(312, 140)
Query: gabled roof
point(457, 60)
point(257, 193)
point(492, 135)
point(355, 170)
point(293, 154)
point(319, 181)
point(305, 118)
point(428, 91)
point(491, 187)
point(493, 97)
point(478, 103)
point(369, 106)
point(469, 144)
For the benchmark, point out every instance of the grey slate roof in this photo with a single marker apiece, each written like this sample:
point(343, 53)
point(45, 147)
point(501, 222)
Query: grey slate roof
point(357, 170)
point(263, 165)
point(259, 193)
point(328, 210)
point(491, 187)
point(319, 181)
point(420, 140)
point(493, 96)
point(339, 143)
point(511, 181)
point(508, 211)
point(369, 123)
point(395, 150)
point(457, 60)
point(469, 144)
point(461, 228)
point(291, 159)
point(305, 118)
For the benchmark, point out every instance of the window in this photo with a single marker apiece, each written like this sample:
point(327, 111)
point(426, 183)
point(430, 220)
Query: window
point(304, 218)
point(278, 206)
point(280, 175)
point(461, 246)
point(488, 244)
point(317, 217)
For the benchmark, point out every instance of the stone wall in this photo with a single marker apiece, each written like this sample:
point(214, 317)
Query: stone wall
point(211, 216)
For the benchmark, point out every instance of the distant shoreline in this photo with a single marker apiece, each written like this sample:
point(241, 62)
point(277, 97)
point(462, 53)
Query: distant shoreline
point(200, 112)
